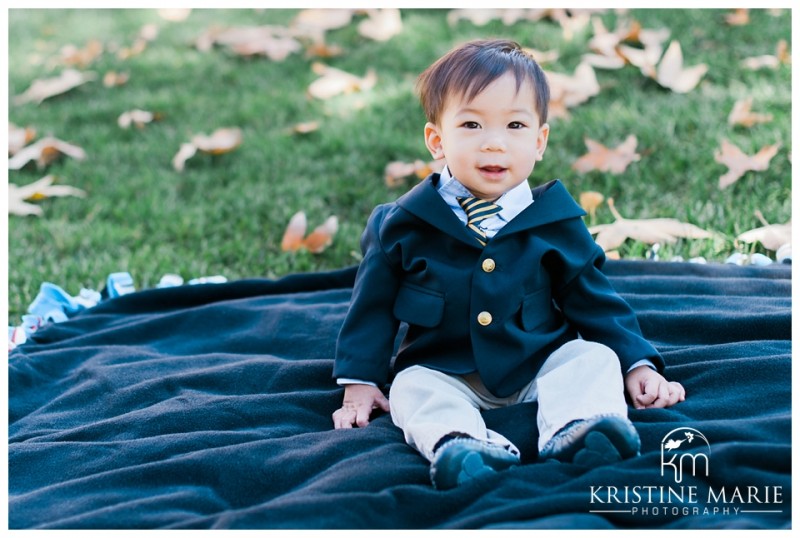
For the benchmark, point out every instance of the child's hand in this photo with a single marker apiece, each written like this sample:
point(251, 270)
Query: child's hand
point(359, 401)
point(647, 388)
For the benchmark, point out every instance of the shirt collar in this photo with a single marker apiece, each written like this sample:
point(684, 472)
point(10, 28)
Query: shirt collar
point(513, 202)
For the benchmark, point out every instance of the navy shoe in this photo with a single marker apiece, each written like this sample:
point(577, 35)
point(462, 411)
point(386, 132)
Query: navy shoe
point(460, 460)
point(593, 442)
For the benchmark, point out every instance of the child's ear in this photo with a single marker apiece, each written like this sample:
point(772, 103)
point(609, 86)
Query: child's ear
point(433, 141)
point(541, 140)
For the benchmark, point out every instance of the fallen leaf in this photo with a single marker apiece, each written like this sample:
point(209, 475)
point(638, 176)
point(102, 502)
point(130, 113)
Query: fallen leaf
point(611, 236)
point(112, 78)
point(45, 88)
point(322, 236)
point(772, 236)
point(174, 14)
point(320, 49)
point(334, 81)
point(317, 241)
point(590, 201)
point(322, 19)
point(770, 61)
point(186, 152)
point(18, 137)
point(478, 17)
point(742, 114)
point(381, 24)
point(274, 42)
point(136, 117)
point(44, 152)
point(73, 56)
point(601, 158)
point(739, 17)
point(397, 172)
point(542, 56)
point(305, 127)
point(220, 141)
point(567, 91)
point(673, 75)
point(38, 190)
point(138, 47)
point(275, 48)
point(739, 163)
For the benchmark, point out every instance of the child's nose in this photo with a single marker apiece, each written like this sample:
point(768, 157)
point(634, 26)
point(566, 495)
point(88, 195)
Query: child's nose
point(493, 142)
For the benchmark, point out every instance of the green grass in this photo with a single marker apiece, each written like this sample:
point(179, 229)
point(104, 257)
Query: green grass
point(226, 214)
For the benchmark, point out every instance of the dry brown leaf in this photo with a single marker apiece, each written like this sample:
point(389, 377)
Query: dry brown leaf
point(18, 137)
point(317, 241)
point(174, 14)
point(220, 141)
point(381, 24)
point(590, 201)
point(770, 61)
point(186, 152)
point(73, 56)
point(334, 81)
point(542, 56)
point(112, 78)
point(323, 19)
point(743, 115)
point(136, 117)
point(601, 158)
point(396, 172)
point(739, 17)
point(478, 17)
point(569, 91)
point(673, 75)
point(305, 127)
point(275, 48)
point(739, 163)
point(611, 236)
point(38, 190)
point(772, 236)
point(138, 47)
point(44, 152)
point(322, 236)
point(320, 49)
point(45, 88)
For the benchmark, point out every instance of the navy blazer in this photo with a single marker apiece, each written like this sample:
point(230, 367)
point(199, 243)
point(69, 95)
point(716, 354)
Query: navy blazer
point(499, 310)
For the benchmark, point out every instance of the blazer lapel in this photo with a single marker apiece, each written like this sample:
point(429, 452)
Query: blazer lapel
point(551, 203)
point(424, 202)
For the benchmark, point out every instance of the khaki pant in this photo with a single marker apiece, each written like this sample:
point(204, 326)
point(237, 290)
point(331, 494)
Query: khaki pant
point(579, 380)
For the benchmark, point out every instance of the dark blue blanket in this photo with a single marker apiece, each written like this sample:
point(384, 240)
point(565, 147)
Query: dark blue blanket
point(210, 407)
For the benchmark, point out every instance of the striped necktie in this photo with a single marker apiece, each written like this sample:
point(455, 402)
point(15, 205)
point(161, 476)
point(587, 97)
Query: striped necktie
point(478, 210)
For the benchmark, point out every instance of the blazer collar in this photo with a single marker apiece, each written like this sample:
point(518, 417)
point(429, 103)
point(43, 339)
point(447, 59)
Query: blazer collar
point(551, 203)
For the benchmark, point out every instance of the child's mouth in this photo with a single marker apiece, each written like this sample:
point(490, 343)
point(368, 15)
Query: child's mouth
point(492, 171)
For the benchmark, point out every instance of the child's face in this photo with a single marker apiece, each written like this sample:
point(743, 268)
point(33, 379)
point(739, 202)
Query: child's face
point(491, 143)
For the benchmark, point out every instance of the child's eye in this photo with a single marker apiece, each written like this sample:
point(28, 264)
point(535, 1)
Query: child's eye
point(470, 125)
point(516, 125)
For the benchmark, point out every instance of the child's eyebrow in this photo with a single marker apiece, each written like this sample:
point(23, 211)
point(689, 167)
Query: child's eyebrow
point(473, 110)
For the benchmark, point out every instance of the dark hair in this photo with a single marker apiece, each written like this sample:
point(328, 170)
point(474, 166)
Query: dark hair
point(468, 69)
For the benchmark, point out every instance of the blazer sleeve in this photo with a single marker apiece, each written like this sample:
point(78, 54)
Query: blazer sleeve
point(366, 340)
point(592, 305)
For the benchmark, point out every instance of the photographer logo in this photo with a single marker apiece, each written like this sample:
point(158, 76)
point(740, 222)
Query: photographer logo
point(679, 448)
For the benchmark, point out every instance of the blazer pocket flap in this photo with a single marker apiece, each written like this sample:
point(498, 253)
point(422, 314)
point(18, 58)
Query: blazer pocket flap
point(419, 306)
point(536, 309)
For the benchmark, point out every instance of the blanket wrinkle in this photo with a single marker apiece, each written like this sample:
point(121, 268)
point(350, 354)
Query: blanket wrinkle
point(209, 406)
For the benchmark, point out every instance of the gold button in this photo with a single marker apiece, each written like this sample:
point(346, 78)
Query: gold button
point(488, 265)
point(484, 318)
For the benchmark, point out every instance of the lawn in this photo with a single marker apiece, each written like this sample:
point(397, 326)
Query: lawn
point(226, 214)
